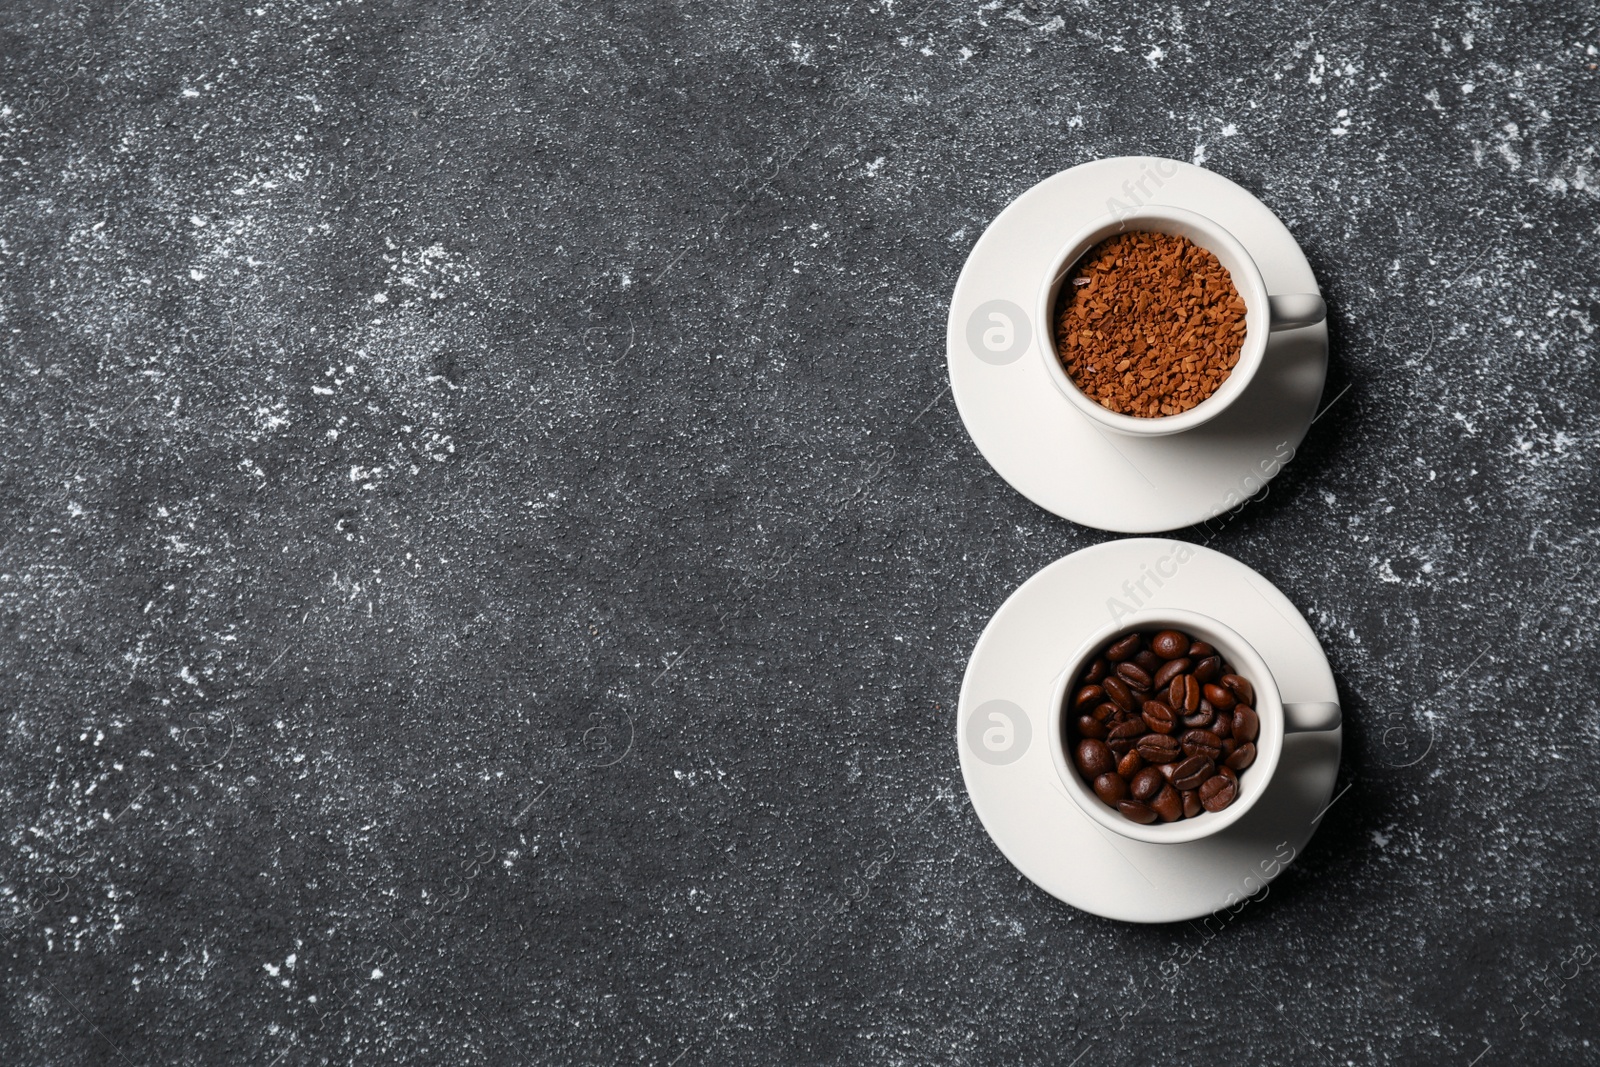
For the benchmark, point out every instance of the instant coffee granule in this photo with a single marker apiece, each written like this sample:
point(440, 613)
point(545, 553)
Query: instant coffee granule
point(1148, 324)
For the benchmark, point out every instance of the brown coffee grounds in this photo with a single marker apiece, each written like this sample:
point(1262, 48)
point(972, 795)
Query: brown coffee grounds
point(1148, 324)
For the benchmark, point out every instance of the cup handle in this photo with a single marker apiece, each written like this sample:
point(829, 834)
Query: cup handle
point(1292, 312)
point(1306, 718)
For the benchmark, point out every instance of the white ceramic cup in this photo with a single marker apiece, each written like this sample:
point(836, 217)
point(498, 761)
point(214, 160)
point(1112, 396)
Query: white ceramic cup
point(1277, 719)
point(1264, 314)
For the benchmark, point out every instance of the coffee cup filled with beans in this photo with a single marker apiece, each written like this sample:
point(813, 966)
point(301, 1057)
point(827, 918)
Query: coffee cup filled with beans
point(1168, 726)
point(1162, 726)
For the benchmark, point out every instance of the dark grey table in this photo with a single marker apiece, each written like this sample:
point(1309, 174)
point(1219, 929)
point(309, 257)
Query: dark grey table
point(489, 554)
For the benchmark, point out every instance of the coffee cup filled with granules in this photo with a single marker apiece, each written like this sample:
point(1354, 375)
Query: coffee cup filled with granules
point(1167, 726)
point(1153, 321)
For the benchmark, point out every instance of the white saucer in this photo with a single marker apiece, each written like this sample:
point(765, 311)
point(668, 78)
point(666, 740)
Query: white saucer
point(1015, 789)
point(1046, 448)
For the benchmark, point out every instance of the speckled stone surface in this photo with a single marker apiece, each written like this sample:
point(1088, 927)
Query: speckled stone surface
point(489, 553)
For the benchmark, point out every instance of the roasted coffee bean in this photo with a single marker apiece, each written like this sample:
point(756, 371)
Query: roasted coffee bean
point(1094, 758)
point(1191, 772)
point(1246, 723)
point(1168, 804)
point(1240, 688)
point(1097, 670)
point(1135, 676)
point(1130, 765)
point(1125, 648)
point(1221, 698)
point(1127, 730)
point(1169, 644)
point(1111, 788)
point(1217, 793)
point(1142, 813)
point(1147, 783)
point(1120, 748)
point(1201, 743)
point(1242, 756)
point(1158, 748)
point(1159, 717)
point(1206, 670)
point(1230, 774)
point(1090, 727)
point(1192, 698)
point(1169, 670)
point(1088, 697)
point(1166, 770)
point(1118, 691)
point(1104, 712)
point(1146, 661)
point(1223, 727)
point(1199, 719)
point(1200, 650)
point(1191, 804)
